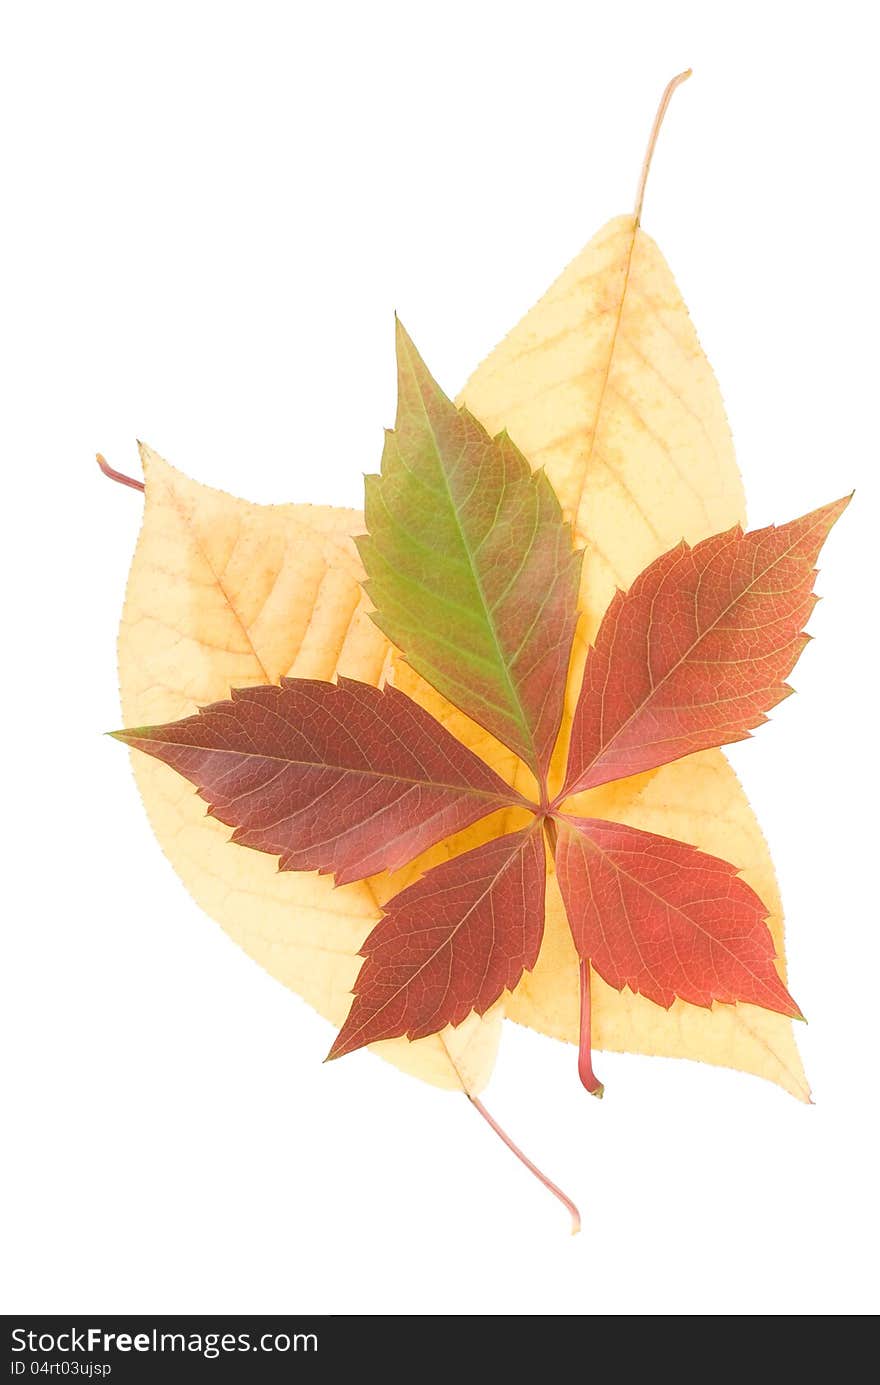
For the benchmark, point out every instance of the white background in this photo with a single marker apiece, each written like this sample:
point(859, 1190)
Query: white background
point(210, 212)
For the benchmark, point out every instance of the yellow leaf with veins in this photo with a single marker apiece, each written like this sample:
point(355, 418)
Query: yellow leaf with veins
point(604, 384)
point(226, 594)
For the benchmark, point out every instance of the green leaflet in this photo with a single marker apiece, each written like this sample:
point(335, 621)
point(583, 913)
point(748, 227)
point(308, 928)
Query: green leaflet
point(470, 565)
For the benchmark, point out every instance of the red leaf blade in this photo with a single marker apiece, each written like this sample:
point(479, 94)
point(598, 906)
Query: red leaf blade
point(340, 777)
point(695, 653)
point(665, 919)
point(450, 943)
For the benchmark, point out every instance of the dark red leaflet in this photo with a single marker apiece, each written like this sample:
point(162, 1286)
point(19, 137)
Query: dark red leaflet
point(450, 943)
point(696, 652)
point(340, 777)
point(665, 919)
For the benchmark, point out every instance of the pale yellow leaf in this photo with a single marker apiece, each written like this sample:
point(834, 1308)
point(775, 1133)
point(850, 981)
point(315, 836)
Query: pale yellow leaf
point(224, 594)
point(604, 384)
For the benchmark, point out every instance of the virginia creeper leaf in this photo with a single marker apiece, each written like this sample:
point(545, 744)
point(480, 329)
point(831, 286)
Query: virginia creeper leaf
point(695, 653)
point(340, 777)
point(470, 565)
point(451, 942)
point(665, 919)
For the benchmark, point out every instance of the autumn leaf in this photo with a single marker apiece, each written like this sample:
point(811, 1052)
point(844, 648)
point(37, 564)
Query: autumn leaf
point(451, 507)
point(335, 777)
point(695, 653)
point(597, 420)
point(451, 943)
point(664, 919)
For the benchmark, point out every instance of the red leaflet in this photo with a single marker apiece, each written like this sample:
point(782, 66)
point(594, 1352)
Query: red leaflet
point(665, 919)
point(450, 943)
point(696, 651)
point(339, 777)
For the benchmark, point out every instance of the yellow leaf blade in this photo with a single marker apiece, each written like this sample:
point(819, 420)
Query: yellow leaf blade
point(603, 383)
point(225, 594)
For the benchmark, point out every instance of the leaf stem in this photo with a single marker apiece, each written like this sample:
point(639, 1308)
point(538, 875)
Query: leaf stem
point(119, 476)
point(585, 1055)
point(550, 833)
point(655, 130)
point(533, 1168)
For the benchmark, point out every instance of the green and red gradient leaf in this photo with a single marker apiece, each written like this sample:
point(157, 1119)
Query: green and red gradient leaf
point(696, 652)
point(665, 919)
point(451, 943)
point(470, 566)
point(340, 777)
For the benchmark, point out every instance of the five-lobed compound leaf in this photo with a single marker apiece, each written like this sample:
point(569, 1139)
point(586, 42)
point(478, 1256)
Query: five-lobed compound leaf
point(266, 804)
point(470, 566)
point(665, 919)
point(451, 943)
point(695, 653)
point(340, 777)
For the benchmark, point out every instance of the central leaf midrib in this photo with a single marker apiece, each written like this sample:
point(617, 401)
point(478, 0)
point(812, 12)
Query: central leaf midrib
point(514, 695)
point(612, 348)
point(513, 801)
